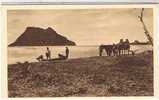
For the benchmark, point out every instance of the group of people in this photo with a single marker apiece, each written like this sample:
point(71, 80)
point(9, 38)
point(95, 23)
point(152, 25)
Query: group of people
point(48, 55)
point(121, 47)
point(126, 42)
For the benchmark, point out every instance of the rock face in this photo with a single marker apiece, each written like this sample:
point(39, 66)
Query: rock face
point(34, 36)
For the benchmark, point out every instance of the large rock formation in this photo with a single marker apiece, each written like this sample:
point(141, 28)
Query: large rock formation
point(34, 36)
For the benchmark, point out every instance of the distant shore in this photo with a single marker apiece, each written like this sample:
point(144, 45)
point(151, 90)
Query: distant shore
point(93, 76)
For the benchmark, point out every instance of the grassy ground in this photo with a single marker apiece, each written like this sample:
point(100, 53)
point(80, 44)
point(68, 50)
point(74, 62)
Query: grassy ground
point(94, 76)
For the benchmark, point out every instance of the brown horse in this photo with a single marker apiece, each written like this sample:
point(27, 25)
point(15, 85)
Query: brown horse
point(108, 49)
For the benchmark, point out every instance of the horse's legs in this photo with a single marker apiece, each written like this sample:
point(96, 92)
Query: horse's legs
point(128, 51)
point(119, 52)
point(100, 51)
point(107, 52)
point(110, 52)
point(114, 54)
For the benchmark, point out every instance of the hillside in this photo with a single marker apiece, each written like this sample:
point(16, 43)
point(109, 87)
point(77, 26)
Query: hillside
point(94, 76)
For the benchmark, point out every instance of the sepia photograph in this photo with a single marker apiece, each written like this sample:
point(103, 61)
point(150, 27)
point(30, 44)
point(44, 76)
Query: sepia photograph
point(74, 52)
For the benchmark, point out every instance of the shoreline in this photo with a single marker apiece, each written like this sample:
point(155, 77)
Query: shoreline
point(75, 58)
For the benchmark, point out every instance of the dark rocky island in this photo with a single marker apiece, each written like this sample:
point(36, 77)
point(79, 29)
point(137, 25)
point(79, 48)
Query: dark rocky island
point(35, 36)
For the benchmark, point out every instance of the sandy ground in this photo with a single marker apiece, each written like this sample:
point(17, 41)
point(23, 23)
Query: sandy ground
point(95, 76)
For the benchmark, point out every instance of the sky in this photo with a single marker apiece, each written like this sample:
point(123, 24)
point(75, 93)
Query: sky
point(83, 26)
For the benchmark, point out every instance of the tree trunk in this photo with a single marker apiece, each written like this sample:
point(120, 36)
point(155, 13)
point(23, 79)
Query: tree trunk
point(147, 33)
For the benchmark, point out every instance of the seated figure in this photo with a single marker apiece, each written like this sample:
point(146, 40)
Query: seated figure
point(61, 56)
point(40, 58)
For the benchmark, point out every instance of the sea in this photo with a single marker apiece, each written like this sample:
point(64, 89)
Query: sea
point(30, 53)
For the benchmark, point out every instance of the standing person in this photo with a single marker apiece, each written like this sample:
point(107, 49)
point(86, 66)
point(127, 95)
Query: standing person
point(48, 54)
point(121, 42)
point(126, 42)
point(67, 52)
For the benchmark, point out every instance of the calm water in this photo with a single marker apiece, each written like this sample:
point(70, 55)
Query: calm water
point(22, 54)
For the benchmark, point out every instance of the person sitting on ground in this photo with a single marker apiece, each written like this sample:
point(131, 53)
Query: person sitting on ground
point(67, 52)
point(61, 56)
point(48, 54)
point(40, 58)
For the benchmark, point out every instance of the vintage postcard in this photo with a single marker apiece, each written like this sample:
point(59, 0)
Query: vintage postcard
point(79, 50)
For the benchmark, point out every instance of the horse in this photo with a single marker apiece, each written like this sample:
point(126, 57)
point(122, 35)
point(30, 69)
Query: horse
point(108, 49)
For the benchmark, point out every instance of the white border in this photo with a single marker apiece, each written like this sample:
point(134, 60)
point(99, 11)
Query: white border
point(4, 45)
point(156, 52)
point(144, 1)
